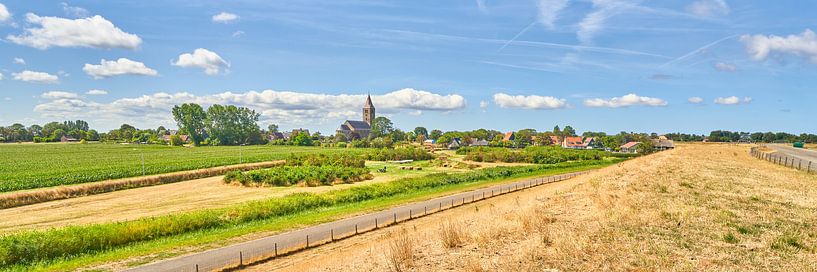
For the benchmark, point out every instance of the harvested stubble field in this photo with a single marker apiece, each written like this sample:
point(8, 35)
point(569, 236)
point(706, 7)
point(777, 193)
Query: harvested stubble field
point(698, 207)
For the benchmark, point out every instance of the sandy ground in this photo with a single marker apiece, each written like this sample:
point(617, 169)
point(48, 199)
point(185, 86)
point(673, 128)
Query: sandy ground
point(698, 207)
point(158, 200)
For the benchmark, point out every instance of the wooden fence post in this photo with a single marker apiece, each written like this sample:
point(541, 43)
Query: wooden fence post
point(240, 259)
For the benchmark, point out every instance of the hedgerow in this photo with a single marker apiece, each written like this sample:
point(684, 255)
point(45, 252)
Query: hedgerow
point(539, 155)
point(398, 154)
point(291, 175)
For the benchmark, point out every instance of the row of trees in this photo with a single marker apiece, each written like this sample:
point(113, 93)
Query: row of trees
point(50, 132)
point(219, 125)
point(734, 136)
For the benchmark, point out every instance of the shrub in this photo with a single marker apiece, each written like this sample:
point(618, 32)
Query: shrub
point(538, 155)
point(399, 154)
point(290, 175)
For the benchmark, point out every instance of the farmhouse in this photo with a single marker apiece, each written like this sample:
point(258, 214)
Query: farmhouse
point(659, 144)
point(66, 139)
point(631, 147)
point(185, 138)
point(479, 143)
point(573, 142)
point(353, 129)
point(455, 143)
point(510, 136)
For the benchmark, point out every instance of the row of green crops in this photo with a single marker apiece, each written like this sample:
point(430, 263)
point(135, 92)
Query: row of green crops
point(345, 160)
point(538, 154)
point(398, 154)
point(64, 243)
point(29, 166)
point(291, 175)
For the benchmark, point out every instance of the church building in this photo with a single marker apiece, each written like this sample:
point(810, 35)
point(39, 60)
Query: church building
point(353, 129)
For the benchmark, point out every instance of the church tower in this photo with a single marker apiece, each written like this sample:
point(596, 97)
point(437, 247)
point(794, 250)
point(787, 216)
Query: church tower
point(368, 111)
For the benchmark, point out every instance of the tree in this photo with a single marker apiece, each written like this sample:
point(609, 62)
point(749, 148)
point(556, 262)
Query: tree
point(421, 131)
point(35, 130)
point(557, 131)
point(381, 126)
point(272, 128)
point(176, 140)
point(435, 134)
point(231, 125)
point(190, 118)
point(302, 139)
point(569, 131)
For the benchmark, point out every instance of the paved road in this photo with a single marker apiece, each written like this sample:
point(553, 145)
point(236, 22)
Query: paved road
point(800, 153)
point(269, 247)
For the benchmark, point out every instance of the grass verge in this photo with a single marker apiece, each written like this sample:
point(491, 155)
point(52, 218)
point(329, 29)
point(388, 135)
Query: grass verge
point(75, 247)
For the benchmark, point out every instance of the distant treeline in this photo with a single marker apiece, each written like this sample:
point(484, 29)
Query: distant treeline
point(734, 136)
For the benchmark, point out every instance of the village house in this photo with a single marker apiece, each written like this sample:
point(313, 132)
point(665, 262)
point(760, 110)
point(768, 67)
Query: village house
point(455, 143)
point(66, 139)
point(631, 147)
point(479, 143)
point(353, 129)
point(573, 142)
point(185, 138)
point(661, 145)
point(510, 136)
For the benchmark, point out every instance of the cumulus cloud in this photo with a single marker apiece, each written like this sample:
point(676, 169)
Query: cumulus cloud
point(96, 92)
point(732, 100)
point(549, 11)
point(36, 77)
point(695, 100)
point(759, 47)
point(52, 95)
point(625, 101)
point(94, 32)
point(224, 17)
point(483, 105)
point(275, 106)
point(122, 66)
point(74, 12)
point(725, 67)
point(5, 15)
point(707, 8)
point(202, 58)
point(535, 102)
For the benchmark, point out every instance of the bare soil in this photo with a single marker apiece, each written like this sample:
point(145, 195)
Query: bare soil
point(698, 207)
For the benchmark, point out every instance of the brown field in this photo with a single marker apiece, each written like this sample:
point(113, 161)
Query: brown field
point(163, 199)
point(699, 207)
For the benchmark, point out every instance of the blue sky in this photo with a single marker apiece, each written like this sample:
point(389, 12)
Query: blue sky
point(602, 65)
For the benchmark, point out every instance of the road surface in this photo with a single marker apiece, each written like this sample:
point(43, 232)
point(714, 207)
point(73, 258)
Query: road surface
point(800, 153)
point(269, 247)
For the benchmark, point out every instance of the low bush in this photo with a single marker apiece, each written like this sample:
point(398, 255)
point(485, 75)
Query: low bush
point(539, 155)
point(343, 160)
point(291, 175)
point(44, 245)
point(398, 154)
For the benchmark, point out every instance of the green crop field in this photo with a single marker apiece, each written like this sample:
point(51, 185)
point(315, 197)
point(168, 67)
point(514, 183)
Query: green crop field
point(29, 166)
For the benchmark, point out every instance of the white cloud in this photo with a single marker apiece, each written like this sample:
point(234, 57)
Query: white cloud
point(19, 61)
point(281, 107)
point(625, 101)
point(95, 32)
point(483, 105)
point(36, 77)
point(238, 33)
point(707, 8)
point(549, 11)
point(481, 6)
point(595, 21)
point(202, 58)
point(5, 15)
point(759, 47)
point(96, 92)
point(732, 100)
point(725, 67)
point(535, 102)
point(122, 66)
point(224, 17)
point(695, 100)
point(74, 12)
point(58, 95)
point(1, 76)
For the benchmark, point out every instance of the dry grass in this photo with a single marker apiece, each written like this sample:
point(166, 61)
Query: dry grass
point(401, 252)
point(699, 207)
point(16, 199)
point(452, 235)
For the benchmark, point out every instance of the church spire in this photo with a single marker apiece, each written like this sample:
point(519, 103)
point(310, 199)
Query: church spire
point(368, 110)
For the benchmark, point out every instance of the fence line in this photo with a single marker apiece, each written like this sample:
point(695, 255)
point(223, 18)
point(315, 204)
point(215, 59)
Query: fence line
point(237, 256)
point(785, 160)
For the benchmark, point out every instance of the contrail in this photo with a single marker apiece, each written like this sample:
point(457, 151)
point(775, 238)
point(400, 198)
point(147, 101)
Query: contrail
point(696, 51)
point(517, 36)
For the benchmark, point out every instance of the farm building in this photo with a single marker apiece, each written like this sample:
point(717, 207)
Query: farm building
point(631, 147)
point(510, 136)
point(479, 143)
point(353, 129)
point(659, 144)
point(276, 136)
point(455, 143)
point(66, 139)
point(185, 138)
